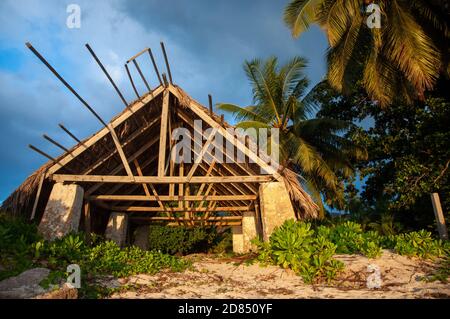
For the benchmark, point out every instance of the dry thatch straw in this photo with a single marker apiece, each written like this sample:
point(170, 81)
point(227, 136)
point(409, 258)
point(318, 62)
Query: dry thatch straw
point(302, 201)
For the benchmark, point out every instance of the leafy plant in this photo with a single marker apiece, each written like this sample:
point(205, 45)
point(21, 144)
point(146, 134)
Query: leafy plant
point(295, 245)
point(419, 244)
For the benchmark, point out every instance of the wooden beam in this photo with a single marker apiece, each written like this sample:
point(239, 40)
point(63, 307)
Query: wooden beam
point(38, 194)
point(188, 120)
point(438, 213)
point(199, 158)
point(222, 218)
point(181, 186)
point(87, 217)
point(163, 134)
point(177, 209)
point(139, 171)
point(118, 168)
point(197, 108)
point(168, 198)
point(135, 107)
point(61, 178)
point(130, 139)
point(120, 151)
point(208, 173)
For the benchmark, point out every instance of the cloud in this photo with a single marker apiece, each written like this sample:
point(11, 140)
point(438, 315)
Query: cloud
point(207, 42)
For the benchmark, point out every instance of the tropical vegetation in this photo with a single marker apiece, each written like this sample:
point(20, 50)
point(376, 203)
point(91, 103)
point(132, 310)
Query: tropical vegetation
point(314, 148)
point(399, 61)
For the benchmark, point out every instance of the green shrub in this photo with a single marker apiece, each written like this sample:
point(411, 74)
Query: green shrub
point(108, 258)
point(419, 244)
point(16, 238)
point(21, 248)
point(349, 238)
point(181, 239)
point(294, 245)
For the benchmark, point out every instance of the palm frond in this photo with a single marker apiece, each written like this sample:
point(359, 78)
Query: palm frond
point(300, 14)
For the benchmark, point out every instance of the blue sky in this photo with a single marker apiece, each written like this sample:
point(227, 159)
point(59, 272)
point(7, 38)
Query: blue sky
point(207, 42)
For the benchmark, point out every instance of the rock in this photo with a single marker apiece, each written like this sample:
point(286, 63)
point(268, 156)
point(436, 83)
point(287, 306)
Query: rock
point(25, 285)
point(65, 292)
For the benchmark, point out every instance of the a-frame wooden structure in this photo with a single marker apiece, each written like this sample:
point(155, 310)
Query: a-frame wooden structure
point(127, 167)
point(136, 173)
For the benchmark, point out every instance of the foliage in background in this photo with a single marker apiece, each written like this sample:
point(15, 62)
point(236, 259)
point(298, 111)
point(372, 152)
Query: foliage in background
point(402, 59)
point(309, 251)
point(312, 147)
point(187, 240)
point(408, 154)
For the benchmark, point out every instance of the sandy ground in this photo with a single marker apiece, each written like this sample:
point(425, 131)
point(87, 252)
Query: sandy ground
point(226, 278)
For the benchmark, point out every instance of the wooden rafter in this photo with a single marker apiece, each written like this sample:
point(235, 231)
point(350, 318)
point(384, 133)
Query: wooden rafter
point(159, 180)
point(200, 156)
point(127, 113)
point(118, 168)
point(168, 198)
point(197, 108)
point(163, 134)
point(130, 139)
point(177, 209)
point(119, 148)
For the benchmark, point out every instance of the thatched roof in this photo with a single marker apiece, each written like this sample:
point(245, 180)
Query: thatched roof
point(99, 158)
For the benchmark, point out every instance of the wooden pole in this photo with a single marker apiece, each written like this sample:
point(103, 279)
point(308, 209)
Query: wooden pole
point(87, 217)
point(439, 215)
point(69, 133)
point(106, 73)
point(131, 81)
point(48, 138)
point(141, 75)
point(38, 194)
point(154, 65)
point(163, 134)
point(67, 85)
point(167, 62)
point(210, 105)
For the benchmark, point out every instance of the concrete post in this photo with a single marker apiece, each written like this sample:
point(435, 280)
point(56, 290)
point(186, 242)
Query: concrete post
point(242, 235)
point(238, 239)
point(141, 237)
point(275, 205)
point(62, 213)
point(117, 227)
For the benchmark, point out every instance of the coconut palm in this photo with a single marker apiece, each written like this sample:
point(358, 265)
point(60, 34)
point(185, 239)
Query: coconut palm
point(402, 59)
point(311, 147)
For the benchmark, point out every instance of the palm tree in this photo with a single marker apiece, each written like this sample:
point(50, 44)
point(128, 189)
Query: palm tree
point(402, 59)
point(311, 147)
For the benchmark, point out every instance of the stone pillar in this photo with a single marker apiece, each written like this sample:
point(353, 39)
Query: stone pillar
point(276, 206)
point(141, 237)
point(238, 239)
point(117, 227)
point(249, 230)
point(62, 213)
point(242, 235)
